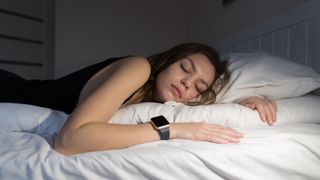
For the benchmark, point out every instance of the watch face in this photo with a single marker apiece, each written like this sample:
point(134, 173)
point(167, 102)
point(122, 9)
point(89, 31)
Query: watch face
point(159, 121)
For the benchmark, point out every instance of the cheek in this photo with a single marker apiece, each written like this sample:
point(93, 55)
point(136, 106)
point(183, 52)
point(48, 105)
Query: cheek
point(161, 88)
point(167, 76)
point(161, 80)
point(191, 95)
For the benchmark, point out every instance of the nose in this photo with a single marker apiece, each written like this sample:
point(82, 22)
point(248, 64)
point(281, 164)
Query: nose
point(186, 83)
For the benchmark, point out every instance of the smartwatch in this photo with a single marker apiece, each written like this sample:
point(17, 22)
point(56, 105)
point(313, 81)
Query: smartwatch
point(161, 124)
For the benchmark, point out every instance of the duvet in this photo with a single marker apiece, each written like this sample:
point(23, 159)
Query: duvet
point(285, 151)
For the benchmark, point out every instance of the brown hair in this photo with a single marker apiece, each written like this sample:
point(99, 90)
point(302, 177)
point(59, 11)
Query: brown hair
point(163, 60)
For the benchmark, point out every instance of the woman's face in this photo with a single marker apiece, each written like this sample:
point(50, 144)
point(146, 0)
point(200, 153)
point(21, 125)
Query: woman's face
point(184, 80)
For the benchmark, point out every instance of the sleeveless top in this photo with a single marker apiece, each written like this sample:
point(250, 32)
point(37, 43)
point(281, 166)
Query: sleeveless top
point(59, 94)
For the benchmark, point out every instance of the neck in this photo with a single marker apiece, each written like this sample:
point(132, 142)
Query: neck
point(135, 98)
point(143, 94)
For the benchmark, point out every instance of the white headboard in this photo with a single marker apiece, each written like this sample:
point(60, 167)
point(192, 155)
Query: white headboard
point(294, 34)
point(26, 37)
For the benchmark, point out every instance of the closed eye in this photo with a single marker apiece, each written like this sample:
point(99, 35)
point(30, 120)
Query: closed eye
point(187, 66)
point(200, 88)
point(183, 68)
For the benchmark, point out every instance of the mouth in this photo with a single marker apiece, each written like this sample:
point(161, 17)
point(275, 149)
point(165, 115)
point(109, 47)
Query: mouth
point(176, 91)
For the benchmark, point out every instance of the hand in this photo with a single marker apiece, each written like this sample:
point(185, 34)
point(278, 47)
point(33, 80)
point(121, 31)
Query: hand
point(266, 107)
point(205, 132)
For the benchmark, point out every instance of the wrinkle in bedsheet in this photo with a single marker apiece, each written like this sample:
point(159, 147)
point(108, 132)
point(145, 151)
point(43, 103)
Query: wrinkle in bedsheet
point(288, 151)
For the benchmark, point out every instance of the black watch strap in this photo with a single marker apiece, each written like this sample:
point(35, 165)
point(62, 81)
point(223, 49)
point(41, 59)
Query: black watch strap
point(161, 124)
point(164, 133)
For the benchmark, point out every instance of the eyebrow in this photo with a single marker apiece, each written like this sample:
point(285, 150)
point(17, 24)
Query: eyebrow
point(195, 69)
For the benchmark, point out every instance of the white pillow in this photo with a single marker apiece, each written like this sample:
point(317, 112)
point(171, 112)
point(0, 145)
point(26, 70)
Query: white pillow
point(305, 109)
point(268, 75)
point(29, 118)
point(47, 122)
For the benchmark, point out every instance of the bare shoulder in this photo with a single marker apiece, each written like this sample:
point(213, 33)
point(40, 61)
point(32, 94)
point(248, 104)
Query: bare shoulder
point(136, 60)
point(135, 69)
point(139, 65)
point(132, 72)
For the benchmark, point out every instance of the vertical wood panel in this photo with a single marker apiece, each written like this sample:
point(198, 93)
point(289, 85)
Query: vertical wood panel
point(297, 41)
point(314, 44)
point(266, 43)
point(242, 47)
point(280, 43)
point(245, 46)
point(294, 35)
point(254, 44)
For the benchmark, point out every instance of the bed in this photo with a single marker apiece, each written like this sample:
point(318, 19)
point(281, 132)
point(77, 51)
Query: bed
point(264, 60)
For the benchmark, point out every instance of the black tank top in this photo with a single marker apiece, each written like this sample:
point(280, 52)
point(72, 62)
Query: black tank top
point(59, 94)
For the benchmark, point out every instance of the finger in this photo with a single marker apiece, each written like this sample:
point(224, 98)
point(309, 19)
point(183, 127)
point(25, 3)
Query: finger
point(273, 109)
point(262, 113)
point(243, 103)
point(222, 134)
point(274, 103)
point(218, 140)
point(234, 133)
point(215, 136)
point(224, 130)
point(269, 115)
point(251, 106)
point(221, 137)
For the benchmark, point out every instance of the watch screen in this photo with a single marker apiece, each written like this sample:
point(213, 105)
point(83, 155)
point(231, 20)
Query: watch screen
point(160, 121)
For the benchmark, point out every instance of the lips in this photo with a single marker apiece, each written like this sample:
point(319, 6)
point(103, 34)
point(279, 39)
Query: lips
point(176, 91)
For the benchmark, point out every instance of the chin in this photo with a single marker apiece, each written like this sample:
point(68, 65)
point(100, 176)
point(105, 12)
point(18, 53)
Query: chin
point(166, 98)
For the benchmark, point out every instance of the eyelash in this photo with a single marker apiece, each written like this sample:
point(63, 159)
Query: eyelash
point(199, 91)
point(185, 70)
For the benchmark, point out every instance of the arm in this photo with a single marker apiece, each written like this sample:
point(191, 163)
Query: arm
point(266, 107)
point(87, 128)
point(103, 136)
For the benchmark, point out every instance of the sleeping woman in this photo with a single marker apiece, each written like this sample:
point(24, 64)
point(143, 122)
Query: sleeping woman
point(189, 73)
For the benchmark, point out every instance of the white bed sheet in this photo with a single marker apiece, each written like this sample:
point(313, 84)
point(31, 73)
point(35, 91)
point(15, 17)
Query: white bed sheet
point(290, 151)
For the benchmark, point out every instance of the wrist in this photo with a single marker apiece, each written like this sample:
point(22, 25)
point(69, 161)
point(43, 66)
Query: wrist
point(161, 124)
point(176, 130)
point(172, 128)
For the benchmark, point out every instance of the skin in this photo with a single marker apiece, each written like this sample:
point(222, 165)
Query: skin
point(185, 79)
point(266, 107)
point(86, 129)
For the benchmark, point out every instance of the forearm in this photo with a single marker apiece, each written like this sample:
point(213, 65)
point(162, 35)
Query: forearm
point(103, 136)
